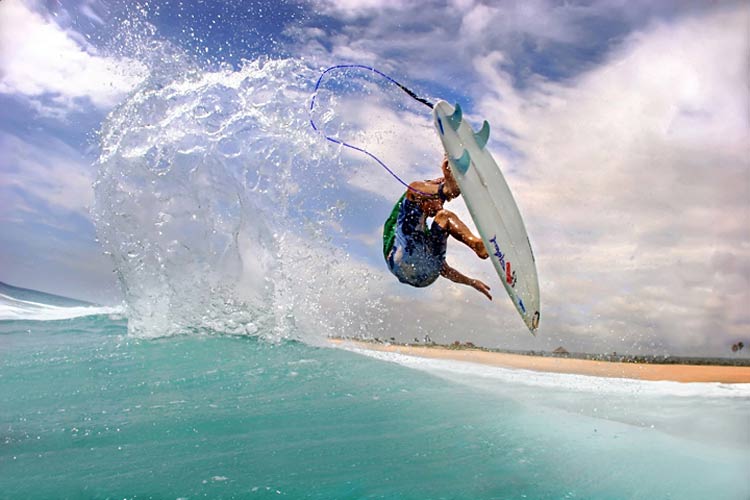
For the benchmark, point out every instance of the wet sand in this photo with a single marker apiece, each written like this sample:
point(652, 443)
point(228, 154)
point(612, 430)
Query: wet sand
point(642, 371)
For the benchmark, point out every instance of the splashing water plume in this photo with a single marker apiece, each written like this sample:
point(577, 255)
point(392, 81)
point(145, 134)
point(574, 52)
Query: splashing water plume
point(200, 202)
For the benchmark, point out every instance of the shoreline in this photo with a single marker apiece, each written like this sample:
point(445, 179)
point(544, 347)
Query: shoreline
point(672, 372)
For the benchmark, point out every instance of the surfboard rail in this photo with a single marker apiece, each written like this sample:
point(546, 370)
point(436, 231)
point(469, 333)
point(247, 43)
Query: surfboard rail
point(492, 207)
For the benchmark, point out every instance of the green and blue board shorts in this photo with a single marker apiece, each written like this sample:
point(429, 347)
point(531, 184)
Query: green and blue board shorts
point(415, 254)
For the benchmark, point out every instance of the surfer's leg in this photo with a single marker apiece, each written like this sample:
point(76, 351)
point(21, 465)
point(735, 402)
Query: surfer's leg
point(450, 223)
point(458, 277)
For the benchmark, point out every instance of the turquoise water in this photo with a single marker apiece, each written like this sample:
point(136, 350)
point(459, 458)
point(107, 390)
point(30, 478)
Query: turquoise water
point(88, 412)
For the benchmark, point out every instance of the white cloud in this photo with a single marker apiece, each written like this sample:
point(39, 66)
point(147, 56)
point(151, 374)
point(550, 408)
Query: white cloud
point(54, 173)
point(483, 25)
point(40, 59)
point(356, 8)
point(636, 177)
point(400, 140)
point(88, 11)
point(632, 174)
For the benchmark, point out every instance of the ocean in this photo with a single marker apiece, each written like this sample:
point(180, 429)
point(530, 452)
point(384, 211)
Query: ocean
point(88, 410)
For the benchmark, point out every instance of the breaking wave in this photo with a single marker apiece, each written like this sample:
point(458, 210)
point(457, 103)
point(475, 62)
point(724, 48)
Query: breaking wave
point(219, 204)
point(14, 309)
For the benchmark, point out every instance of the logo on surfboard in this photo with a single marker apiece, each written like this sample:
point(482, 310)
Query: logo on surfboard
point(510, 274)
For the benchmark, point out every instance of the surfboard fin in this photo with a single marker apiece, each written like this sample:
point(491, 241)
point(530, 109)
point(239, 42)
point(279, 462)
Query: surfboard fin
point(456, 117)
point(483, 135)
point(462, 164)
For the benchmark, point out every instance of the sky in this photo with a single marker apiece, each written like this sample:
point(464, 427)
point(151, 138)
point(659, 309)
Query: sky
point(623, 129)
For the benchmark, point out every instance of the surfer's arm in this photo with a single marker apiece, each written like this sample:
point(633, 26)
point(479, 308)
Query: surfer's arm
point(420, 191)
point(451, 188)
point(456, 277)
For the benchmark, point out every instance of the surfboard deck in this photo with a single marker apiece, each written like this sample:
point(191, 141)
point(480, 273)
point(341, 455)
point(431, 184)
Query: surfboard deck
point(492, 207)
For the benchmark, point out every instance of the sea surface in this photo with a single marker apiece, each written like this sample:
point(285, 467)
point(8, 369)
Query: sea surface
point(89, 411)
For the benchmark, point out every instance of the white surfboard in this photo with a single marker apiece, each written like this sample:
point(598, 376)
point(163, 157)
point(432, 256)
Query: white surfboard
point(492, 207)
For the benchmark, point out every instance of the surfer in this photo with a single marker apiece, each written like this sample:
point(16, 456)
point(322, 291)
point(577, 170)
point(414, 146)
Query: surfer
point(415, 253)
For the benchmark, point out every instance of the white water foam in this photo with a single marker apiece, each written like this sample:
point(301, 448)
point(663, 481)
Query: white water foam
point(12, 309)
point(475, 372)
point(710, 413)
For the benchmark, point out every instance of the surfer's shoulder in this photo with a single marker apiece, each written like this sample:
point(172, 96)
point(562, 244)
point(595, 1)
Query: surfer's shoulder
point(421, 191)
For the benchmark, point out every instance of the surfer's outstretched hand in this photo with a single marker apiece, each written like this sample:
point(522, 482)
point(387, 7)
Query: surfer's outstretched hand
point(481, 287)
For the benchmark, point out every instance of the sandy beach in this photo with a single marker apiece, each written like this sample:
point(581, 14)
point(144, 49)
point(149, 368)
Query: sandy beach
point(643, 371)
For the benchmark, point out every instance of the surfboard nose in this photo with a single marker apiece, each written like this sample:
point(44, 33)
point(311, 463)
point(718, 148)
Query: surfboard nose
point(439, 123)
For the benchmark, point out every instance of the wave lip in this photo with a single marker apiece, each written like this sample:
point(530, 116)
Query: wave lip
point(12, 309)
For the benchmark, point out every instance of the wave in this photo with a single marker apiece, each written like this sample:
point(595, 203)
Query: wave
point(687, 411)
point(27, 294)
point(219, 204)
point(13, 309)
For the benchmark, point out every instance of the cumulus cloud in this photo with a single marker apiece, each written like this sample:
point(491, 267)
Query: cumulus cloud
point(631, 168)
point(52, 173)
point(356, 8)
point(57, 68)
point(636, 177)
point(47, 238)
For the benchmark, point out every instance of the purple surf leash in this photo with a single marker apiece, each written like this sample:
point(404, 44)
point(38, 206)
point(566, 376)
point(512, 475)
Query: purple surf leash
point(357, 148)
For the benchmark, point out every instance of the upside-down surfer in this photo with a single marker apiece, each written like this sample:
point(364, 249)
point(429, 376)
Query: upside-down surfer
point(415, 254)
